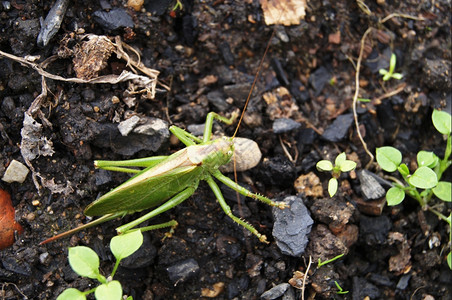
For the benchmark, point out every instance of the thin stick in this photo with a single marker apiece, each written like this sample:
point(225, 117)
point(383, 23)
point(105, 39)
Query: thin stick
point(355, 98)
point(304, 278)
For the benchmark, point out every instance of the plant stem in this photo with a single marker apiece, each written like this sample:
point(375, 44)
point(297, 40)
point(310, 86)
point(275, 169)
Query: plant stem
point(115, 268)
point(440, 215)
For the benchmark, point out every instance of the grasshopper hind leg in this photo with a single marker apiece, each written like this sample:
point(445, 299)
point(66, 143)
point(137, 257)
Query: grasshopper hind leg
point(176, 200)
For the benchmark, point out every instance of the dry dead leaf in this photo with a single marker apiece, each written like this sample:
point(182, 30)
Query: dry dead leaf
point(283, 12)
point(91, 56)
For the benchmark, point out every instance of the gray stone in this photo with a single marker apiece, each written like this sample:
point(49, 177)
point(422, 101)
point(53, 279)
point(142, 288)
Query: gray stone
point(292, 227)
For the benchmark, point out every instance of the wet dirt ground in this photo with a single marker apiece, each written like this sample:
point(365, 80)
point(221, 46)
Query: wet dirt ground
point(208, 53)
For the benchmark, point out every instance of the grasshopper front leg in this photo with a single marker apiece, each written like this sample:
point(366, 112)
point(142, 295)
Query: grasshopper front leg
point(123, 165)
point(241, 190)
point(189, 139)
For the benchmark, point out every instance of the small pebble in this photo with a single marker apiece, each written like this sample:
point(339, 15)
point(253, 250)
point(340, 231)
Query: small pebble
point(43, 257)
point(30, 217)
point(16, 172)
point(135, 4)
point(126, 126)
point(275, 292)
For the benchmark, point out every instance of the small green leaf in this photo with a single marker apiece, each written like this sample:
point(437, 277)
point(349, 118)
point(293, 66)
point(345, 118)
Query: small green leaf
point(403, 169)
point(364, 100)
point(442, 121)
point(387, 76)
point(392, 63)
point(84, 261)
point(397, 76)
point(340, 159)
point(423, 178)
point(427, 159)
point(324, 165)
point(129, 298)
point(71, 294)
point(443, 191)
point(348, 165)
point(332, 186)
point(109, 291)
point(395, 196)
point(383, 72)
point(388, 158)
point(124, 245)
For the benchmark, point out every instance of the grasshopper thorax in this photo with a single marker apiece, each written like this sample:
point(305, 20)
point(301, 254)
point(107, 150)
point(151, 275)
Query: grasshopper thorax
point(212, 154)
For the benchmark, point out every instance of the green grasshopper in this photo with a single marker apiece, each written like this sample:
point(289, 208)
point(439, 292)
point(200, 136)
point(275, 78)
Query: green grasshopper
point(167, 181)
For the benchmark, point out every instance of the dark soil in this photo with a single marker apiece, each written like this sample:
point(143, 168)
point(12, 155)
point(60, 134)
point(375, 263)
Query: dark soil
point(394, 253)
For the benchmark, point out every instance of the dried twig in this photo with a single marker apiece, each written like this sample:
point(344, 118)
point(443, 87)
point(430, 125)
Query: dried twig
point(355, 97)
point(304, 278)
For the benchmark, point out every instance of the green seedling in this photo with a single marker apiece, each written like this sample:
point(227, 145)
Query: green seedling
point(341, 164)
point(85, 262)
point(178, 5)
point(322, 263)
point(426, 179)
point(167, 181)
point(388, 74)
point(340, 290)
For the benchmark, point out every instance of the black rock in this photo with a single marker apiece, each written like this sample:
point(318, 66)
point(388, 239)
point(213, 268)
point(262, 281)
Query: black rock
point(277, 171)
point(188, 29)
point(319, 78)
point(308, 163)
point(183, 270)
point(374, 230)
point(227, 54)
point(292, 226)
point(284, 125)
point(21, 268)
point(370, 186)
point(218, 100)
point(102, 177)
point(337, 131)
point(306, 136)
point(107, 135)
point(363, 289)
point(280, 74)
point(299, 92)
point(237, 285)
point(113, 19)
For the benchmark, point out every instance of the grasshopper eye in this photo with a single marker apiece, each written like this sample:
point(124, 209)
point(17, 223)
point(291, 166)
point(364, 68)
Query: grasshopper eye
point(230, 153)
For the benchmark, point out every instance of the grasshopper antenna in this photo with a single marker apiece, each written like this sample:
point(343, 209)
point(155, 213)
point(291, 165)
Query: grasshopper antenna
point(253, 85)
point(244, 110)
